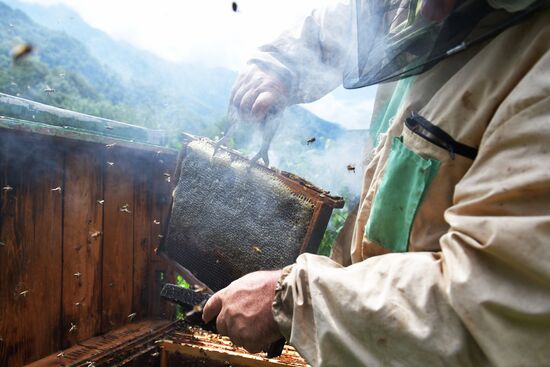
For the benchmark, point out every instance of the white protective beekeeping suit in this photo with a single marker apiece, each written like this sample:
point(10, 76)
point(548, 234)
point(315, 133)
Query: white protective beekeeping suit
point(470, 286)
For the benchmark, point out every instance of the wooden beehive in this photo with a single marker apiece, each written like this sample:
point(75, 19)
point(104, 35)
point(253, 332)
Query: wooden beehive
point(83, 206)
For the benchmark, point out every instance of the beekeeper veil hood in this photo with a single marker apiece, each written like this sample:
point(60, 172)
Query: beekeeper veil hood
point(393, 39)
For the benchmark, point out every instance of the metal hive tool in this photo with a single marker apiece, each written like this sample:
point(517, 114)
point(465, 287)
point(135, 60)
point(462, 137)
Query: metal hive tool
point(230, 217)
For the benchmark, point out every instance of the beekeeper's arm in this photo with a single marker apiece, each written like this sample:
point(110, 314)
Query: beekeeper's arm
point(301, 66)
point(483, 300)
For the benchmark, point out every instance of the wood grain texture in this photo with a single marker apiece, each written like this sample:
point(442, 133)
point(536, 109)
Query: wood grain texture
point(30, 259)
point(143, 221)
point(113, 343)
point(161, 205)
point(118, 239)
point(82, 244)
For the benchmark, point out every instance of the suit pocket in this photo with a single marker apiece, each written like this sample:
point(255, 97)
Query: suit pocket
point(406, 178)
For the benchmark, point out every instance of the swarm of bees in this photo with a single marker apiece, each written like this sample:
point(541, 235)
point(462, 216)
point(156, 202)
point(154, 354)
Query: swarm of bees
point(351, 168)
point(20, 51)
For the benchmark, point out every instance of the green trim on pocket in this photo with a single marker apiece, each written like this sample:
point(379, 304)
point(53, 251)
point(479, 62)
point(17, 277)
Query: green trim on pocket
point(406, 178)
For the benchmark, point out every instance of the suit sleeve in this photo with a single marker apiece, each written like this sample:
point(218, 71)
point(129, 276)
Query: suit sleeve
point(484, 299)
point(310, 58)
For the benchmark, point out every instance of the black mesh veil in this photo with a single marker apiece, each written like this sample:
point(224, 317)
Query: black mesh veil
point(393, 40)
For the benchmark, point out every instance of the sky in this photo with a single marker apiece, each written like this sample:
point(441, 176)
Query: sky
point(210, 33)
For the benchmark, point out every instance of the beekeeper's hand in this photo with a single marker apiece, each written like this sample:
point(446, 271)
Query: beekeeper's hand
point(244, 310)
point(256, 93)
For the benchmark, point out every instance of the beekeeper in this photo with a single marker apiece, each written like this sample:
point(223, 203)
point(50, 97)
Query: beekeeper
point(447, 260)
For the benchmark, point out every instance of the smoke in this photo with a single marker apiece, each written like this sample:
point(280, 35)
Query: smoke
point(315, 54)
point(319, 151)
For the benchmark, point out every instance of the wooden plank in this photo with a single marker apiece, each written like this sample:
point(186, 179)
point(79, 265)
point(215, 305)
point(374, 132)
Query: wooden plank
point(30, 259)
point(211, 355)
point(118, 242)
point(114, 342)
point(162, 200)
point(82, 244)
point(143, 222)
point(316, 228)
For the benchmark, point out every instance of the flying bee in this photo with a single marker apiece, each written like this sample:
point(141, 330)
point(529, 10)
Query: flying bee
point(310, 140)
point(108, 127)
point(234, 6)
point(49, 90)
point(351, 168)
point(95, 234)
point(58, 188)
point(20, 51)
point(2, 243)
point(7, 188)
point(110, 145)
point(199, 289)
point(125, 209)
point(111, 163)
point(77, 274)
point(132, 316)
point(24, 293)
point(100, 202)
point(60, 355)
point(196, 309)
point(73, 328)
point(257, 249)
point(156, 221)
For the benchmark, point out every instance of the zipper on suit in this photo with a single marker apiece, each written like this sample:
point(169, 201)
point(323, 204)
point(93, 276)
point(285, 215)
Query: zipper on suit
point(435, 135)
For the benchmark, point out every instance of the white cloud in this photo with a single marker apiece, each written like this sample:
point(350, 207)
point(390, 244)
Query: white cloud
point(193, 30)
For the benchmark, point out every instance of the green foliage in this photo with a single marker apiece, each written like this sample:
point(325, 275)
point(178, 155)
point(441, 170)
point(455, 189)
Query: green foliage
point(335, 225)
point(182, 283)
